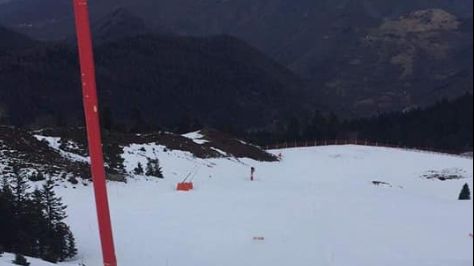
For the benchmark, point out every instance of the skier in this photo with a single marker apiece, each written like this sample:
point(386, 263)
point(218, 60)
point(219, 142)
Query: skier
point(252, 173)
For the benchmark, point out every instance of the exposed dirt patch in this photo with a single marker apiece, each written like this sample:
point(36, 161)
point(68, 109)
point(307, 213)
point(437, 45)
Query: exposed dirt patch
point(19, 148)
point(381, 183)
point(22, 148)
point(445, 175)
point(235, 147)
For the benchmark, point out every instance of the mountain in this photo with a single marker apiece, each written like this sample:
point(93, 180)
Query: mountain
point(11, 40)
point(152, 81)
point(251, 18)
point(342, 48)
point(410, 61)
point(119, 24)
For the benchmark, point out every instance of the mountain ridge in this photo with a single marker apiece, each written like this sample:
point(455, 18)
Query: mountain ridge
point(164, 80)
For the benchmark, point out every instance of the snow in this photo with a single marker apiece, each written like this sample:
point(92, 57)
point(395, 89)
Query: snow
point(6, 260)
point(55, 143)
point(318, 206)
point(197, 137)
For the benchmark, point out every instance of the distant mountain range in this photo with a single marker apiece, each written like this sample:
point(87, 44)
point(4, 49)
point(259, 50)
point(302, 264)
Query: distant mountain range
point(355, 57)
point(401, 63)
point(149, 81)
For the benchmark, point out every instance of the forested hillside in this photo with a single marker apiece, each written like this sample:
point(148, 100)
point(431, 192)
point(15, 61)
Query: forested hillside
point(150, 82)
point(447, 125)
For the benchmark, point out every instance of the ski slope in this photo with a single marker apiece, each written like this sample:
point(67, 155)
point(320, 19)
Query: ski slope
point(318, 206)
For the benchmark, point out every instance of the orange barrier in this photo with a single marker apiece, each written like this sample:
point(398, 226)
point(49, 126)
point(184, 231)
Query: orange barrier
point(185, 186)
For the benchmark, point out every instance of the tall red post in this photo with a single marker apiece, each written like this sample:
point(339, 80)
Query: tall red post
point(91, 110)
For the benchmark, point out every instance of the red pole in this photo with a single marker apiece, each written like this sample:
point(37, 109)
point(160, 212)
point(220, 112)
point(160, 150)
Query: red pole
point(91, 110)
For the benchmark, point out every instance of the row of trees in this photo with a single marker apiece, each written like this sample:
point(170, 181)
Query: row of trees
point(446, 125)
point(153, 168)
point(32, 221)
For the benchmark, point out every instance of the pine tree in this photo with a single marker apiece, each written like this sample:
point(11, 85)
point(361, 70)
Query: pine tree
point(59, 246)
point(20, 190)
point(465, 193)
point(59, 241)
point(70, 249)
point(20, 260)
point(38, 176)
point(39, 226)
point(7, 223)
point(32, 223)
point(153, 168)
point(138, 170)
point(21, 221)
point(55, 210)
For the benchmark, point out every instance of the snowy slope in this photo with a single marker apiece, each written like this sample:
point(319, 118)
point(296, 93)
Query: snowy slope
point(316, 207)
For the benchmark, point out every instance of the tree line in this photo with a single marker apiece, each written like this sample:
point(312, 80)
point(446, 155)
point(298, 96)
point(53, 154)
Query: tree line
point(32, 221)
point(446, 125)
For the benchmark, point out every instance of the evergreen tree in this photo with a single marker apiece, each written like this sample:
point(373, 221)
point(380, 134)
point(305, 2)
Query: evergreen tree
point(39, 227)
point(33, 223)
point(20, 260)
point(20, 190)
point(293, 130)
point(138, 170)
point(465, 193)
point(153, 168)
point(22, 221)
point(71, 249)
point(59, 233)
point(38, 176)
point(7, 224)
point(107, 119)
point(55, 210)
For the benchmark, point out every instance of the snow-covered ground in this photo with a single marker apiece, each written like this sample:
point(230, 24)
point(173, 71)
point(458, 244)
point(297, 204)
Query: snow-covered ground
point(197, 137)
point(6, 259)
point(316, 207)
point(55, 144)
